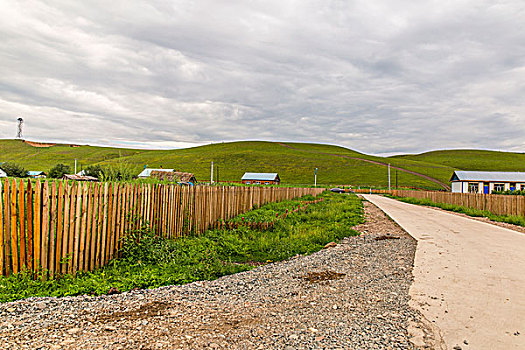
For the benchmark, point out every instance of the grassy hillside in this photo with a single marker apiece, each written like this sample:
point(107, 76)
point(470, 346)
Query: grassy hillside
point(295, 162)
point(472, 159)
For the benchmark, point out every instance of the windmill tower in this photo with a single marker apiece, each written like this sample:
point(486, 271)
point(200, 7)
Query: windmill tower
point(20, 125)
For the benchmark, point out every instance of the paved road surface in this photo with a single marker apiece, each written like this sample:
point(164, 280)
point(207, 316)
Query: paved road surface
point(469, 276)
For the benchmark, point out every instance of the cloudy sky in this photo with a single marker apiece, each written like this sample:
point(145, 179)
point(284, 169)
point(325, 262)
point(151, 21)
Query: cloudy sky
point(382, 77)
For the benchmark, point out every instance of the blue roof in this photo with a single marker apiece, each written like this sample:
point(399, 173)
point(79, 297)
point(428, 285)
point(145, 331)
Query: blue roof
point(260, 176)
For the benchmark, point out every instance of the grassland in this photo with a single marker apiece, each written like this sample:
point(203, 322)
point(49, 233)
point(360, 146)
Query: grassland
point(295, 162)
point(472, 159)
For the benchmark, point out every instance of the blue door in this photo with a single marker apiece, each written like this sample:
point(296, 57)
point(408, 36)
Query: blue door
point(486, 189)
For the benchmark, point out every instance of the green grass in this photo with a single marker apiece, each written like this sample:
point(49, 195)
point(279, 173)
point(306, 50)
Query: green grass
point(151, 262)
point(511, 219)
point(472, 159)
point(295, 162)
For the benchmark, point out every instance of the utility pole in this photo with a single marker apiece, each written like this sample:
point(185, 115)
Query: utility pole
point(211, 178)
point(217, 174)
point(389, 188)
point(315, 178)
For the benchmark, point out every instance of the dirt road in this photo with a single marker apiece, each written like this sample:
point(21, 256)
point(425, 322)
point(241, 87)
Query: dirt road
point(469, 276)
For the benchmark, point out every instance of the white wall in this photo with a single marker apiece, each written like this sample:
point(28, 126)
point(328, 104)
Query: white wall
point(456, 186)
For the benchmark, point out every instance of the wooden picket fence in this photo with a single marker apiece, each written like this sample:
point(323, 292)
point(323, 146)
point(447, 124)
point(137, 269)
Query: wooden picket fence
point(60, 227)
point(495, 203)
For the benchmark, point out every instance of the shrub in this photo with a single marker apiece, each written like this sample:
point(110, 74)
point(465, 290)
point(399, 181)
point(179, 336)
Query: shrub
point(94, 170)
point(14, 170)
point(59, 170)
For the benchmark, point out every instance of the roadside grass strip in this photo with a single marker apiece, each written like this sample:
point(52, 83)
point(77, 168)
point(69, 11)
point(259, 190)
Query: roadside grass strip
point(148, 261)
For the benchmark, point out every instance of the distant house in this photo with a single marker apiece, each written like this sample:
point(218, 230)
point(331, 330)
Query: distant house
point(74, 177)
point(174, 176)
point(146, 173)
point(260, 179)
point(36, 174)
point(487, 181)
point(3, 173)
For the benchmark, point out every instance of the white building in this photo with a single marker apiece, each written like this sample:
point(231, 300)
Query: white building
point(2, 173)
point(487, 181)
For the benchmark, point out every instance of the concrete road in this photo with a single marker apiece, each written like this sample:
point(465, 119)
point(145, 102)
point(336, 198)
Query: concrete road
point(469, 276)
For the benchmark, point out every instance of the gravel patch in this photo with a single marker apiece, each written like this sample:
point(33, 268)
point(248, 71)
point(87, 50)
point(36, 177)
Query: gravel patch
point(353, 295)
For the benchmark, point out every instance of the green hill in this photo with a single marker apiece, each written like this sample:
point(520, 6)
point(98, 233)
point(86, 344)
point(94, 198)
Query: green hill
point(295, 162)
point(472, 159)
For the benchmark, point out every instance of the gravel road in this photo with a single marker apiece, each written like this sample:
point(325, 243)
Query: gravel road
point(350, 296)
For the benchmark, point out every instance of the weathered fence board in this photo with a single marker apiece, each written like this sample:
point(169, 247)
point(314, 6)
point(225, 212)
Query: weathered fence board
point(57, 227)
point(495, 203)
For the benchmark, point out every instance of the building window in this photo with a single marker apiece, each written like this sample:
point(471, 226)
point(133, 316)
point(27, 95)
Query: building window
point(266, 183)
point(473, 187)
point(258, 182)
point(499, 187)
point(522, 186)
point(247, 182)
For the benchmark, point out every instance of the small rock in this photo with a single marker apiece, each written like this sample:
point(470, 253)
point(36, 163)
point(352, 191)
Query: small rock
point(319, 338)
point(457, 347)
point(214, 346)
point(330, 245)
point(294, 337)
point(465, 342)
point(313, 330)
point(73, 330)
point(10, 309)
point(110, 328)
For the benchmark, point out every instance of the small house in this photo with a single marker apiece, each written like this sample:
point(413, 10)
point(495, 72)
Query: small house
point(37, 174)
point(146, 173)
point(3, 173)
point(174, 176)
point(487, 181)
point(260, 179)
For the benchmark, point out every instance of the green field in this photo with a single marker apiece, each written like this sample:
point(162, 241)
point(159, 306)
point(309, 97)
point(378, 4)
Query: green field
point(295, 162)
point(472, 159)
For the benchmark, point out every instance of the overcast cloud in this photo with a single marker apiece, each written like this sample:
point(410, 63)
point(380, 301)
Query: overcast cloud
point(381, 77)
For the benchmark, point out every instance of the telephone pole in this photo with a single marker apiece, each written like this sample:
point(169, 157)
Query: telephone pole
point(211, 178)
point(315, 178)
point(389, 187)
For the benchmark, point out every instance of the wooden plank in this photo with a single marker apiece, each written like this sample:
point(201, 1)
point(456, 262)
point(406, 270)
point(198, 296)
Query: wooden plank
point(116, 189)
point(100, 223)
point(112, 233)
point(45, 228)
point(2, 255)
point(89, 221)
point(71, 234)
point(65, 235)
point(78, 223)
point(53, 229)
point(37, 226)
point(94, 228)
point(14, 229)
point(22, 225)
point(83, 228)
point(107, 223)
point(60, 226)
point(7, 228)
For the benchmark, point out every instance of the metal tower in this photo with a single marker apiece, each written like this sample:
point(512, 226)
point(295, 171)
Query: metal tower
point(20, 124)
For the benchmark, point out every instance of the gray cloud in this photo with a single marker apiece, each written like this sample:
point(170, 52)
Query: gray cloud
point(376, 76)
